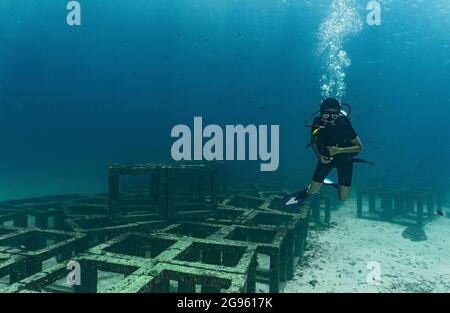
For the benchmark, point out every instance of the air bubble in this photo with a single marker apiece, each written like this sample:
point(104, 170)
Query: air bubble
point(342, 22)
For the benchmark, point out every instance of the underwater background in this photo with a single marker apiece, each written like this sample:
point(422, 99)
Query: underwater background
point(73, 100)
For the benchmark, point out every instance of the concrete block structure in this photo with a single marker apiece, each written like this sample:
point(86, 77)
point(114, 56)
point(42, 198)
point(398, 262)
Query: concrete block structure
point(406, 206)
point(164, 230)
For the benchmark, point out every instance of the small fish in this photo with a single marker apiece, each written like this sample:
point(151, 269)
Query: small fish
point(239, 34)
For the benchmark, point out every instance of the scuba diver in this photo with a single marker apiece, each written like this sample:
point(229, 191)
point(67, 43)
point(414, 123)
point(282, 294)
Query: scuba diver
point(336, 145)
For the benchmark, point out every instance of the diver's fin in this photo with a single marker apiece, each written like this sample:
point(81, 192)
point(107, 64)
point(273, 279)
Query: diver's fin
point(296, 199)
point(358, 160)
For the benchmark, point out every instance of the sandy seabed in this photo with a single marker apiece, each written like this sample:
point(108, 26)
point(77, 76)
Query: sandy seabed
point(337, 259)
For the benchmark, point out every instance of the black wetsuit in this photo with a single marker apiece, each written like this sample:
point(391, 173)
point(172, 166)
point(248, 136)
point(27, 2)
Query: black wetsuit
point(341, 134)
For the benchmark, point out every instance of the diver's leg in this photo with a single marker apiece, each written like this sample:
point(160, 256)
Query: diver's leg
point(344, 192)
point(321, 172)
point(314, 187)
point(345, 175)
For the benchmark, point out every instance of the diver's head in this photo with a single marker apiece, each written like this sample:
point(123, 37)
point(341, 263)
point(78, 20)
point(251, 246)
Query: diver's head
point(330, 110)
point(330, 105)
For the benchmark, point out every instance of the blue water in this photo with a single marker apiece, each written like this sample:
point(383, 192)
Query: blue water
point(75, 99)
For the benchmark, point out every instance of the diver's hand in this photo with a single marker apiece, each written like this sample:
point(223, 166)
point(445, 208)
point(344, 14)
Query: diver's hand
point(334, 150)
point(324, 159)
